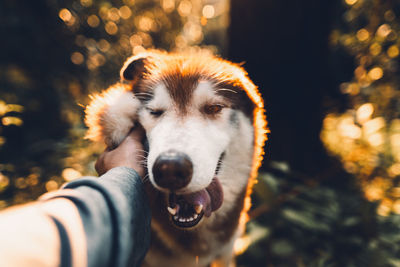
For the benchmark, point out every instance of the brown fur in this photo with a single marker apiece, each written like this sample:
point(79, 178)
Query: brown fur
point(181, 88)
point(181, 74)
point(190, 241)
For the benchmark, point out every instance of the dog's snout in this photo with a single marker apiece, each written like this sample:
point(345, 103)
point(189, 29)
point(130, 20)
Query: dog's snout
point(172, 170)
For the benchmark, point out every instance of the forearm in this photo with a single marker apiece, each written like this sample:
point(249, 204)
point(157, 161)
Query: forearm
point(104, 220)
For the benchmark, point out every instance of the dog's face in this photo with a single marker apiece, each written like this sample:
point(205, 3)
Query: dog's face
point(198, 113)
point(194, 136)
point(186, 147)
point(190, 118)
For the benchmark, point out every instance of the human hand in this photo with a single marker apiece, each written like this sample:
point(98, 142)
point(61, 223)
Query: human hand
point(129, 154)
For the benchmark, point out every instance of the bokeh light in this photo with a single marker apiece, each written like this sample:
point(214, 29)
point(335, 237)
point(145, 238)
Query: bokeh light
point(103, 35)
point(297, 219)
point(366, 137)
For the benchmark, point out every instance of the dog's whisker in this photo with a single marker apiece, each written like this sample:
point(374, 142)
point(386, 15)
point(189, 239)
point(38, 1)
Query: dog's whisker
point(143, 151)
point(143, 95)
point(227, 90)
point(178, 197)
point(146, 179)
point(143, 163)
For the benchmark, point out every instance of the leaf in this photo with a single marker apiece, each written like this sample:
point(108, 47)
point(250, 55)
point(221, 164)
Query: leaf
point(305, 220)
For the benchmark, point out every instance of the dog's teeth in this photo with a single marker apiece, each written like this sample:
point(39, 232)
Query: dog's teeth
point(195, 216)
point(176, 217)
point(198, 208)
point(172, 211)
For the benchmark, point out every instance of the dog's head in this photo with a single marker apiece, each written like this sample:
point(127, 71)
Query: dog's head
point(193, 107)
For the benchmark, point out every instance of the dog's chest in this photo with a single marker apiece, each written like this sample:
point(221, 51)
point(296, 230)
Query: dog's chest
point(210, 249)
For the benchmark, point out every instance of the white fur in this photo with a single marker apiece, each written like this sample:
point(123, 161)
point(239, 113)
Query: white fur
point(119, 118)
point(202, 139)
point(161, 99)
point(233, 177)
point(236, 165)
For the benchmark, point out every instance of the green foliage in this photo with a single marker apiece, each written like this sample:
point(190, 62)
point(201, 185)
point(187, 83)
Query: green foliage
point(54, 53)
point(366, 138)
point(311, 224)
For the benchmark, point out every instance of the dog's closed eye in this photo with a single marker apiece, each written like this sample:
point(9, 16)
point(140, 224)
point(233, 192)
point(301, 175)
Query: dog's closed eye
point(155, 112)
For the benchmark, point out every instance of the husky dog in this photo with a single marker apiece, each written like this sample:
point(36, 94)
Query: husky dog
point(205, 125)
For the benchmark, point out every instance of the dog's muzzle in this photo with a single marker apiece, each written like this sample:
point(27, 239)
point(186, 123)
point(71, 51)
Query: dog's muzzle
point(172, 170)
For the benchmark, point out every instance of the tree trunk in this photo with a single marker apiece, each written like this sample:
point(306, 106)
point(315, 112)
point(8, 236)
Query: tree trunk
point(284, 45)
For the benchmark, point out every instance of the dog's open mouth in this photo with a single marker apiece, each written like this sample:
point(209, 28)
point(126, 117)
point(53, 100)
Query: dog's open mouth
point(187, 210)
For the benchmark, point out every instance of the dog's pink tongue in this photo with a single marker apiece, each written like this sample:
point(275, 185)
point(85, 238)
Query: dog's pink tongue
point(211, 198)
point(216, 194)
point(199, 198)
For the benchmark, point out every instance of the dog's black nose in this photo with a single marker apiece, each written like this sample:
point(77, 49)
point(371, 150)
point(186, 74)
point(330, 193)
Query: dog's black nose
point(172, 170)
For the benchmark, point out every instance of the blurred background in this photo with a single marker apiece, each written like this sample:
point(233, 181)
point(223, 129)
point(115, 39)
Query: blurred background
point(328, 193)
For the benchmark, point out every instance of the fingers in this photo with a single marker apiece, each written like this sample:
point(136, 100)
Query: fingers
point(137, 133)
point(133, 141)
point(99, 166)
point(129, 153)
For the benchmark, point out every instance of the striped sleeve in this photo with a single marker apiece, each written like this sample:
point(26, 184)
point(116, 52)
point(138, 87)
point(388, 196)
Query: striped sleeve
point(90, 222)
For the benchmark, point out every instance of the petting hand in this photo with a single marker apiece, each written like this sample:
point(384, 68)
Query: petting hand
point(129, 153)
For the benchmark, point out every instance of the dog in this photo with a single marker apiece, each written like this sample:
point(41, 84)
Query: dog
point(205, 124)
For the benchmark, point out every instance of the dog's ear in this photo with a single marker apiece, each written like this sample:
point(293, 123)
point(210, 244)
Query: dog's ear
point(111, 114)
point(134, 68)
